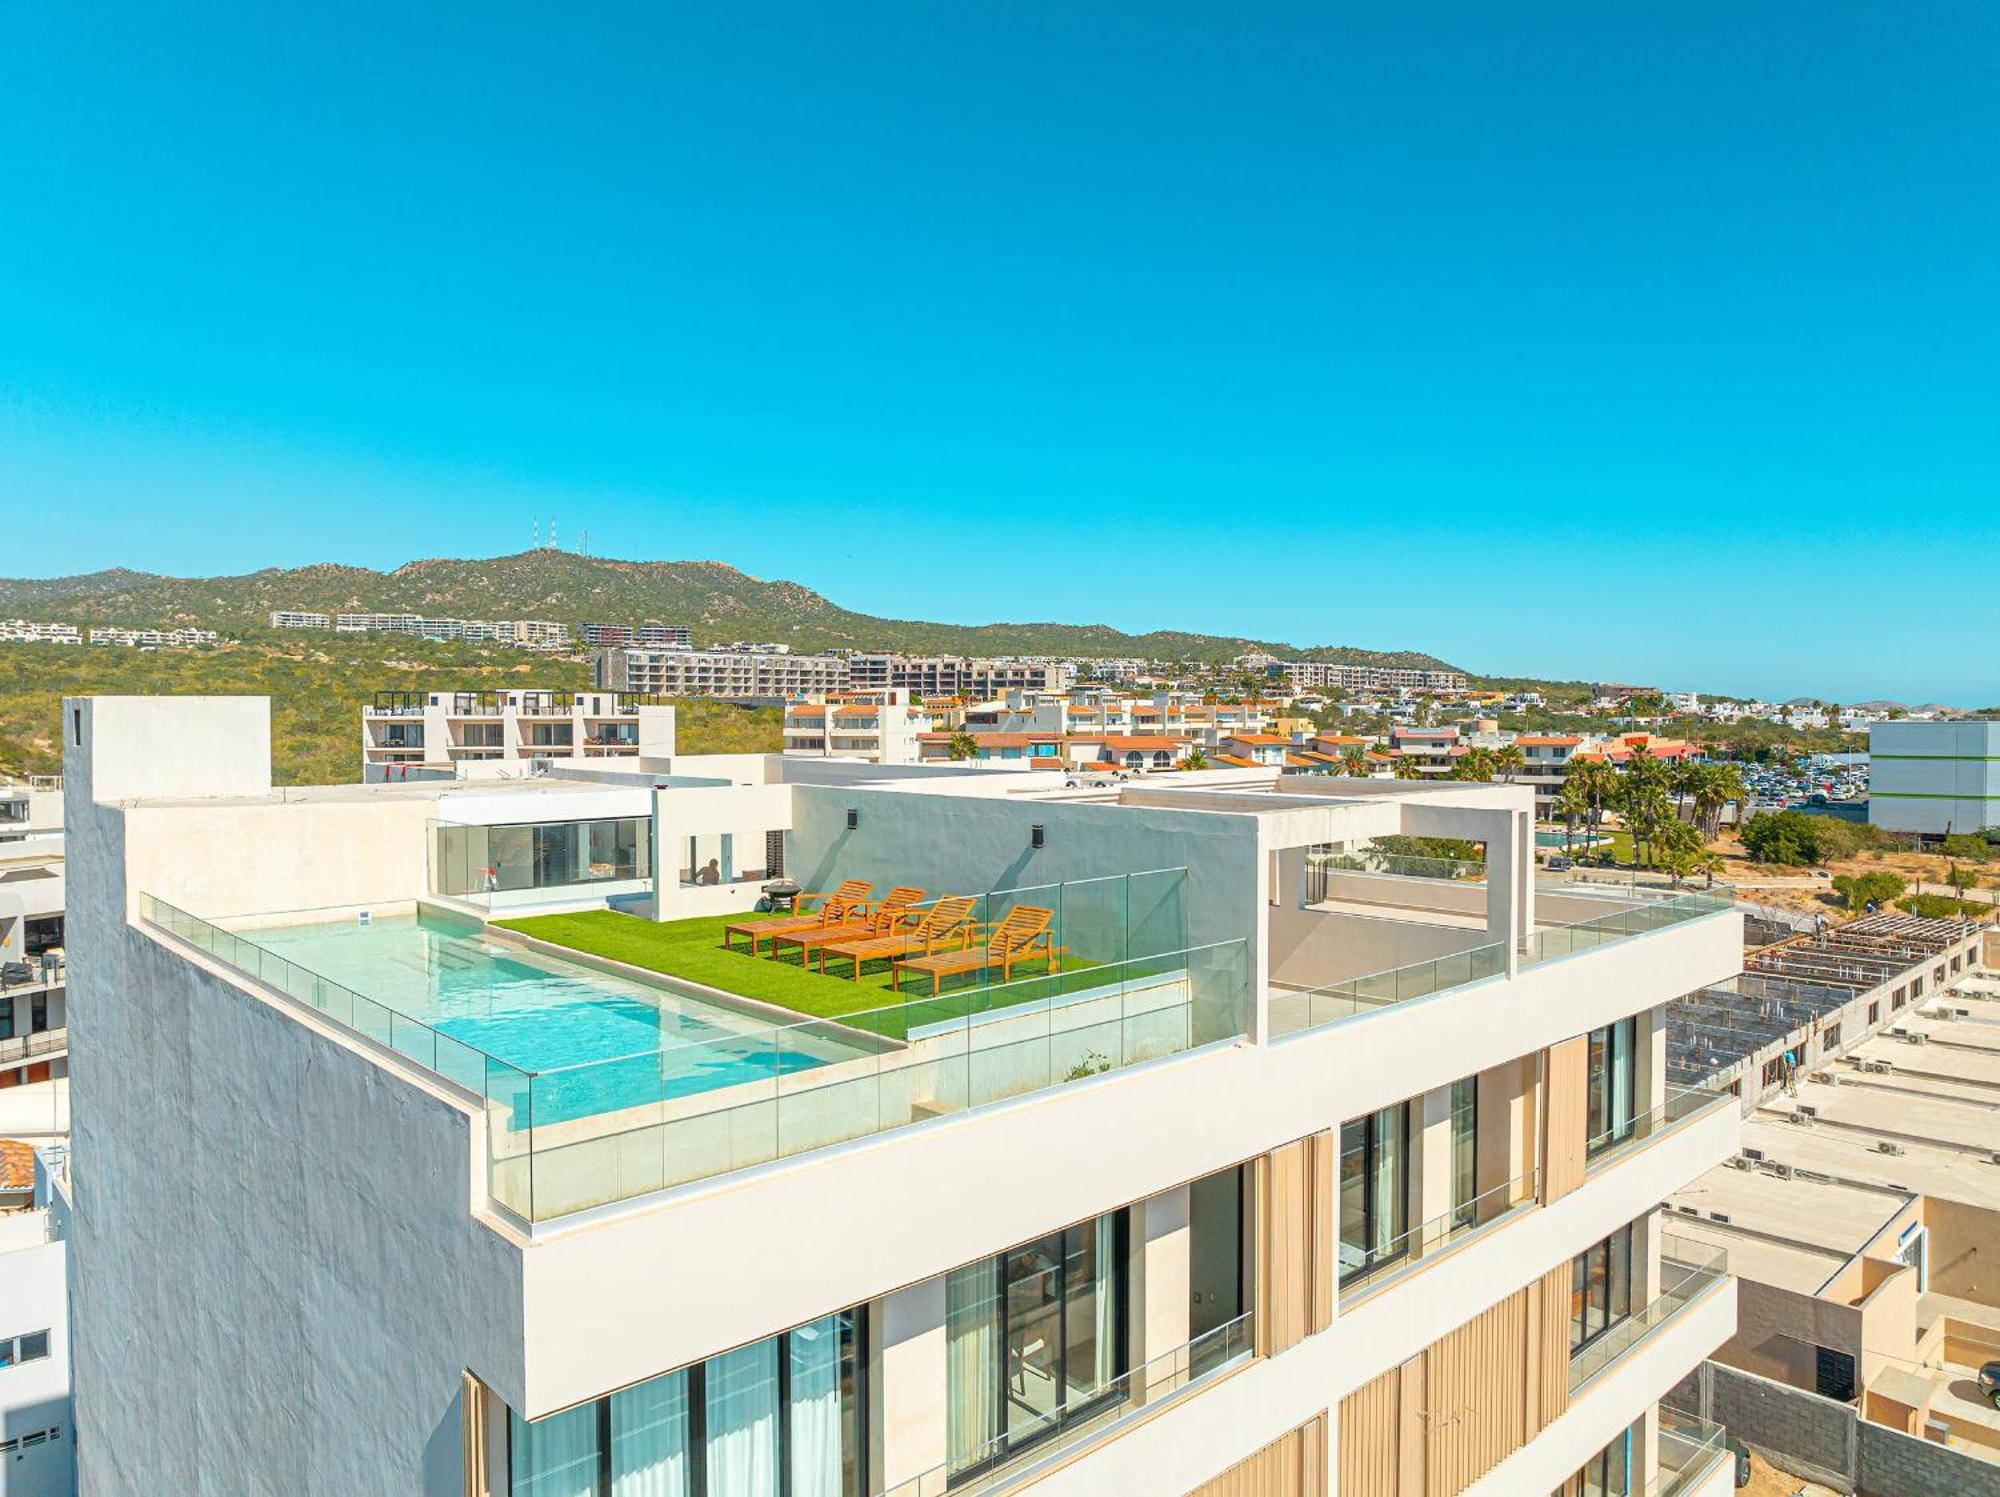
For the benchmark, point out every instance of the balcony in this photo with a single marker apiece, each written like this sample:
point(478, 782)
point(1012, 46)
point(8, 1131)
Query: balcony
point(1682, 1108)
point(1690, 1272)
point(45, 1045)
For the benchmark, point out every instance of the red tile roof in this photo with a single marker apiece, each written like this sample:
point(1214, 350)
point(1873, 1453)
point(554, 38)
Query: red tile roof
point(17, 1165)
point(1235, 762)
point(1266, 740)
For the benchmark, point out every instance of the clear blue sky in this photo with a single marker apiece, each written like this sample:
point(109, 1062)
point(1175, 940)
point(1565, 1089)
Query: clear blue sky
point(1317, 323)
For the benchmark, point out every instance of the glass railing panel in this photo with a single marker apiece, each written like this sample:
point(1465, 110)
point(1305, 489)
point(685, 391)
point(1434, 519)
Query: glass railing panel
point(1099, 1415)
point(1689, 1449)
point(1365, 1267)
point(1681, 1105)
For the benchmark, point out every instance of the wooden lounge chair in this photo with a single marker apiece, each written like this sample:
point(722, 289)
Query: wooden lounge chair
point(943, 923)
point(1022, 937)
point(896, 909)
point(837, 907)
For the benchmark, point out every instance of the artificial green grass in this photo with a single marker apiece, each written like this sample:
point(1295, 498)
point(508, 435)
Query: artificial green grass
point(692, 949)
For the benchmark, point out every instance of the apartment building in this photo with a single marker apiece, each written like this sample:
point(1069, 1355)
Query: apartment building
point(1934, 778)
point(956, 675)
point(621, 636)
point(879, 727)
point(458, 731)
point(1323, 675)
point(153, 639)
point(297, 618)
point(539, 634)
point(37, 1430)
point(1433, 750)
point(771, 673)
point(1267, 1176)
point(32, 631)
point(1545, 766)
point(34, 1033)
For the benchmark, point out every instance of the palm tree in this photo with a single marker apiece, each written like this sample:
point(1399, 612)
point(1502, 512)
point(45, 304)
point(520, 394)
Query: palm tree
point(1573, 804)
point(964, 745)
point(1508, 760)
point(1408, 768)
point(1356, 762)
point(1195, 759)
point(1474, 764)
point(1718, 785)
point(1596, 783)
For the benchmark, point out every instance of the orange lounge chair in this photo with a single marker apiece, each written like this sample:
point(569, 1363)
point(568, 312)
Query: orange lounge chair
point(1023, 936)
point(943, 922)
point(898, 907)
point(836, 908)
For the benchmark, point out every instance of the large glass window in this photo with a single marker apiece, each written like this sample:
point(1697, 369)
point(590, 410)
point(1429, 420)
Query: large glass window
point(778, 1418)
point(1600, 1288)
point(1608, 1473)
point(498, 859)
point(1612, 1084)
point(1035, 1340)
point(1374, 1191)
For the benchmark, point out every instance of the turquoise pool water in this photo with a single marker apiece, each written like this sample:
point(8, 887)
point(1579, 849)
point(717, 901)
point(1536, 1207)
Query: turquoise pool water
point(1555, 839)
point(597, 1042)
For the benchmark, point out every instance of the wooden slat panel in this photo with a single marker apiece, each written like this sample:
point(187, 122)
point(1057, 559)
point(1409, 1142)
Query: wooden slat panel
point(1410, 1458)
point(1293, 1465)
point(1371, 1430)
point(1286, 1260)
point(1552, 1351)
point(1321, 1273)
point(1564, 1118)
point(1477, 1401)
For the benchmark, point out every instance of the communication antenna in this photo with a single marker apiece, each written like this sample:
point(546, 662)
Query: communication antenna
point(535, 527)
point(583, 545)
point(554, 544)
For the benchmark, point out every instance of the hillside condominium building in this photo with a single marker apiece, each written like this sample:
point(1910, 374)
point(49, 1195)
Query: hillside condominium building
point(404, 730)
point(770, 674)
point(1254, 1170)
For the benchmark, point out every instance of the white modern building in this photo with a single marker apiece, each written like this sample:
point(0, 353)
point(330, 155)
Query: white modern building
point(1273, 1174)
point(878, 727)
point(771, 673)
point(498, 732)
point(34, 1034)
point(976, 678)
point(1934, 778)
point(37, 1430)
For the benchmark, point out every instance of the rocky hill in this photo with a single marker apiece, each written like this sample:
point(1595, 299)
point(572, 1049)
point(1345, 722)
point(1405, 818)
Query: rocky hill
point(714, 600)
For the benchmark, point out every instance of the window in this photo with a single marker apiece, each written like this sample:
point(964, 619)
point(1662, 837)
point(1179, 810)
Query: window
point(1874, 1014)
point(1465, 1151)
point(783, 1417)
point(31, 1346)
point(1833, 1373)
point(31, 1439)
point(1829, 1037)
point(1898, 998)
point(1611, 1084)
point(1600, 1289)
point(1035, 1340)
point(1374, 1191)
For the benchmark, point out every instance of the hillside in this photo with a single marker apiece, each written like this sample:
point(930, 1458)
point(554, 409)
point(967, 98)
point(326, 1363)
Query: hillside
point(716, 601)
point(317, 684)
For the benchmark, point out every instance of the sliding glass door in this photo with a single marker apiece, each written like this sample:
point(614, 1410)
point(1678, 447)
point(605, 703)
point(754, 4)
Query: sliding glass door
point(1035, 1339)
point(784, 1417)
point(1374, 1191)
point(1612, 1084)
point(1600, 1289)
point(1465, 1151)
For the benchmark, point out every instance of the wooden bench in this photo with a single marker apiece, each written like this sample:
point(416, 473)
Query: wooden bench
point(897, 908)
point(838, 908)
point(945, 921)
point(1023, 936)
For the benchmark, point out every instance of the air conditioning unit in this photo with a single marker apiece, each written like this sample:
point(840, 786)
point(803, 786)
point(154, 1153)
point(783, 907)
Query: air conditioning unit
point(1919, 1039)
point(1888, 1146)
point(1753, 1153)
point(1807, 1110)
point(1782, 1171)
point(1688, 1210)
point(1719, 1216)
point(1824, 1078)
point(1963, 1013)
point(1740, 1163)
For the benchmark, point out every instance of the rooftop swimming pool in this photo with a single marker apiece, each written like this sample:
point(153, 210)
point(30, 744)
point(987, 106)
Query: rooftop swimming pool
point(596, 1043)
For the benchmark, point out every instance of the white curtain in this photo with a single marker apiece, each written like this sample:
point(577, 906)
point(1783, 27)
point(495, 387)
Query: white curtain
point(972, 1370)
point(817, 1429)
point(556, 1456)
point(649, 1439)
point(742, 1406)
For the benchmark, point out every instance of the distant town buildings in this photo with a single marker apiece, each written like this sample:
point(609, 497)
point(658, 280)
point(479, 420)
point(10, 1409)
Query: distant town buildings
point(620, 636)
point(152, 639)
point(769, 673)
point(30, 631)
point(955, 675)
point(1307, 675)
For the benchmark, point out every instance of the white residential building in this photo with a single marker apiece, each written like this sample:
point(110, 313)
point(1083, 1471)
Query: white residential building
point(878, 727)
point(152, 639)
point(34, 1033)
point(32, 631)
point(1934, 778)
point(1305, 1178)
point(1308, 675)
point(739, 674)
point(403, 731)
point(37, 1426)
point(956, 675)
point(296, 618)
